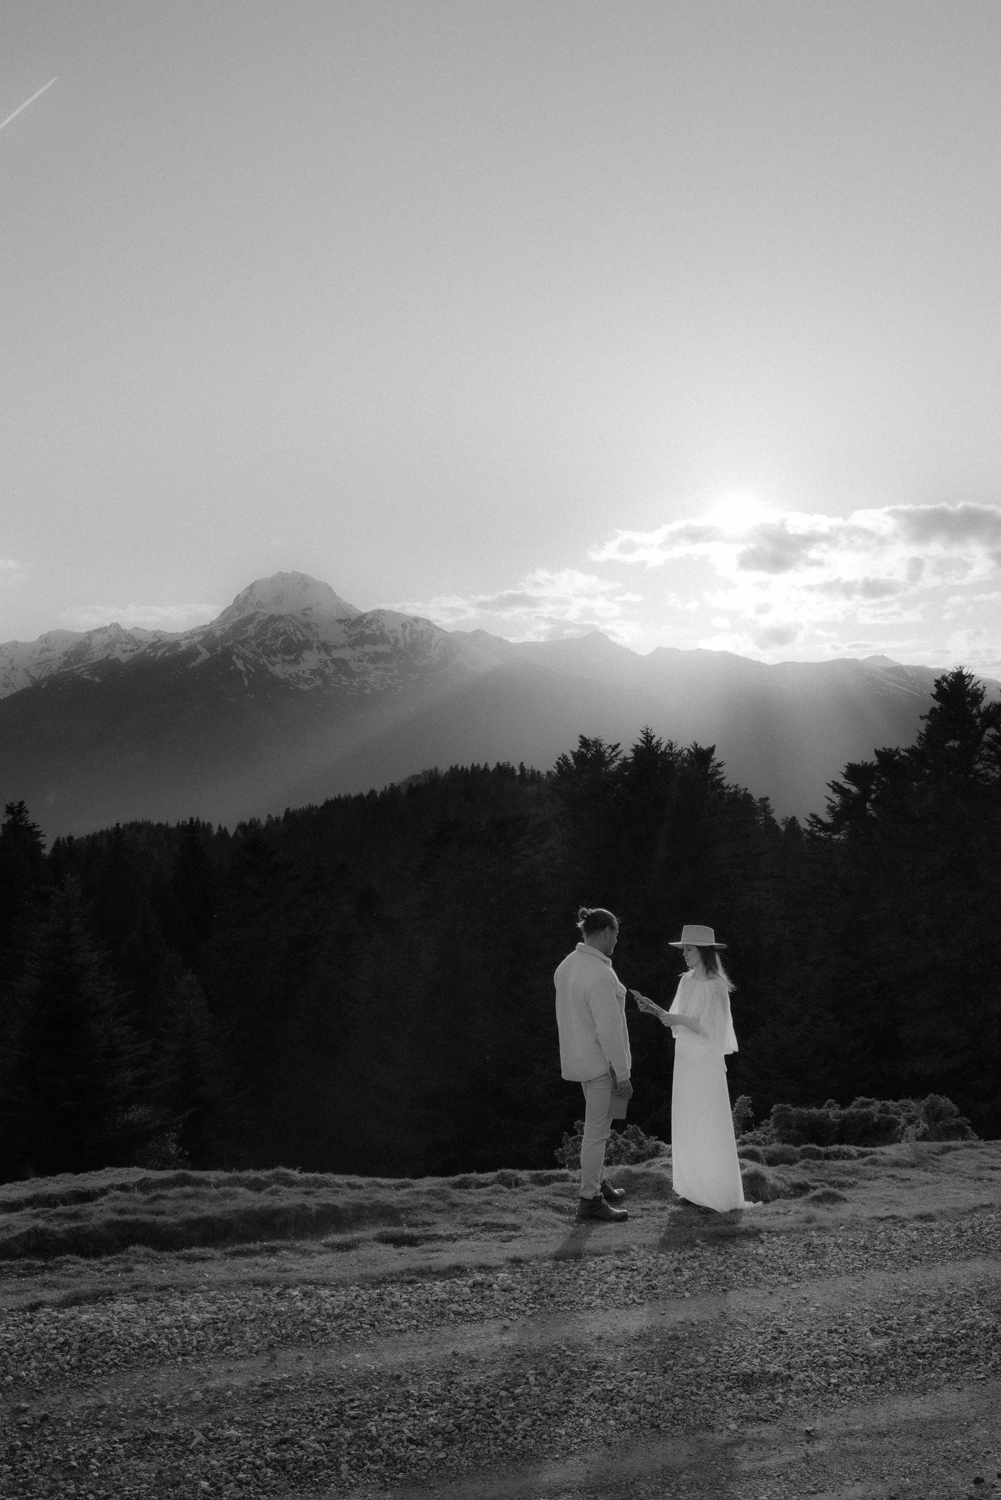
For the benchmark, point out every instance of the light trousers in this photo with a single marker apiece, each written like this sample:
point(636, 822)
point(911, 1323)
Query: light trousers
point(597, 1129)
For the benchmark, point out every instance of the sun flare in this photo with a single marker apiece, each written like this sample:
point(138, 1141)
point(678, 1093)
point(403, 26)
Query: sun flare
point(738, 510)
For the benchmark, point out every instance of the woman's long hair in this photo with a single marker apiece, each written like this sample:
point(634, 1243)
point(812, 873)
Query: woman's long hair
point(713, 965)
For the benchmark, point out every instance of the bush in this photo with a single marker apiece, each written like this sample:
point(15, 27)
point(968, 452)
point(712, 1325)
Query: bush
point(742, 1115)
point(823, 1132)
point(625, 1147)
point(941, 1121)
point(864, 1122)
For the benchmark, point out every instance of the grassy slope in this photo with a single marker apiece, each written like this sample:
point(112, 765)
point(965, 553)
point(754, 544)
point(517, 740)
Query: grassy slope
point(102, 1213)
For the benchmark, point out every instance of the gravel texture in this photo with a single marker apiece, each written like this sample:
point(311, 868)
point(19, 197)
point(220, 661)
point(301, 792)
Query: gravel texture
point(38, 1348)
point(81, 1420)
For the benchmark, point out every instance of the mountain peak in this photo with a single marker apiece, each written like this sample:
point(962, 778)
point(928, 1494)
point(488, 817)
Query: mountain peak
point(289, 594)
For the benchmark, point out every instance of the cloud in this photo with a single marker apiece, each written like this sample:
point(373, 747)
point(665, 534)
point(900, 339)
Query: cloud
point(772, 583)
point(979, 649)
point(879, 566)
point(860, 588)
point(957, 604)
point(168, 617)
point(543, 605)
point(8, 565)
point(950, 525)
point(778, 635)
point(776, 551)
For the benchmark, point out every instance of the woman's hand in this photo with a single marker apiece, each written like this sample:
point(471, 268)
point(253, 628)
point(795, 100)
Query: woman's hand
point(649, 1009)
point(666, 1017)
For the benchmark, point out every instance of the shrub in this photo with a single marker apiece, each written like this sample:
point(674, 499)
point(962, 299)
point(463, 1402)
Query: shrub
point(625, 1147)
point(742, 1115)
point(821, 1132)
point(868, 1122)
point(864, 1122)
point(941, 1120)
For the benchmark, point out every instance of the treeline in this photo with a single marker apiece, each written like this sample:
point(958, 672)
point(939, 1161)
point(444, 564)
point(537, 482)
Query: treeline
point(366, 986)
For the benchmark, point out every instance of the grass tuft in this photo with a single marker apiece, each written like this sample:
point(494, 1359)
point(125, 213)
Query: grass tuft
point(102, 1213)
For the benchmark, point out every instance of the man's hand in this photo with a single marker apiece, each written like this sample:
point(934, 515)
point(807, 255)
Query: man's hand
point(623, 1090)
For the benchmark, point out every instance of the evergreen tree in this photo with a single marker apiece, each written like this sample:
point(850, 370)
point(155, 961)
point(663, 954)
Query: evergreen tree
point(897, 937)
point(191, 1083)
point(190, 910)
point(24, 881)
point(25, 885)
point(70, 1070)
point(22, 857)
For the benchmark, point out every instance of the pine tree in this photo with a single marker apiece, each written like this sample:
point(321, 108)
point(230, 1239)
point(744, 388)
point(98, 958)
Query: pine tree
point(69, 1074)
point(191, 1081)
point(901, 934)
point(24, 876)
point(25, 884)
point(190, 912)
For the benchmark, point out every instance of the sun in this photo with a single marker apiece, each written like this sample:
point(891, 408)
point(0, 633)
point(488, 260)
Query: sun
point(738, 510)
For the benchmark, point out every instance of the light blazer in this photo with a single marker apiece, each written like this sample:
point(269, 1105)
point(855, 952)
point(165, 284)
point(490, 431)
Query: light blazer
point(591, 1016)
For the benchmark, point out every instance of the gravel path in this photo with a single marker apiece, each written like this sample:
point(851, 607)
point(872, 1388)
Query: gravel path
point(301, 1389)
point(38, 1348)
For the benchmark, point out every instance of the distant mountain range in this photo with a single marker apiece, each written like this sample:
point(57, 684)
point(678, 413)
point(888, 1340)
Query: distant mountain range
point(293, 695)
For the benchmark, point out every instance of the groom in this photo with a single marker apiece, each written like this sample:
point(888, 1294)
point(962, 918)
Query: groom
point(594, 1051)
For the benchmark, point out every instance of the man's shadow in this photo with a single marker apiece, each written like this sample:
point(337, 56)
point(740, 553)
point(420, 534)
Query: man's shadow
point(574, 1245)
point(686, 1222)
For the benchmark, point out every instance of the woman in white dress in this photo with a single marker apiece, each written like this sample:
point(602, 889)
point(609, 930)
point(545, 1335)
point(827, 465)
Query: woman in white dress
point(703, 1150)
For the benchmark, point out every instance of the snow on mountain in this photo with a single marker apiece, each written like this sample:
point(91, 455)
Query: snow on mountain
point(292, 695)
point(294, 631)
point(291, 594)
point(25, 662)
point(362, 652)
point(289, 628)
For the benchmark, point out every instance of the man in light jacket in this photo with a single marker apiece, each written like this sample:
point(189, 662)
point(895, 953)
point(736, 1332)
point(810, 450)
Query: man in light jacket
point(594, 1051)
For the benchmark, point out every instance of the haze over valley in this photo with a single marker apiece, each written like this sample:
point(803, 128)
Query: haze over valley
point(293, 695)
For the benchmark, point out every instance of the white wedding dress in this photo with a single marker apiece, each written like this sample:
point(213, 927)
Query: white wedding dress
point(703, 1149)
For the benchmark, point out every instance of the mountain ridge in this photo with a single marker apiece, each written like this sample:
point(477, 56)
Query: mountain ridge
point(293, 695)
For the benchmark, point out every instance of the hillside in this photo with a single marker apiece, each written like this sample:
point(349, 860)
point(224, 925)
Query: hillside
point(463, 1337)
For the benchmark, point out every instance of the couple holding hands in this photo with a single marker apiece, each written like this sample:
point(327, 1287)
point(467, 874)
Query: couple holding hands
point(594, 1051)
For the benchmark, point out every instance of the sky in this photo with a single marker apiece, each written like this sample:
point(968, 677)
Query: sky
point(679, 320)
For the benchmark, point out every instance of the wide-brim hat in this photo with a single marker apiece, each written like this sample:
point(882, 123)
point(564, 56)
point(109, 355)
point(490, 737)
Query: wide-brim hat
point(694, 936)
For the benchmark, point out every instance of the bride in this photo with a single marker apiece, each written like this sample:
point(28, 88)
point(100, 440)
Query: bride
point(703, 1150)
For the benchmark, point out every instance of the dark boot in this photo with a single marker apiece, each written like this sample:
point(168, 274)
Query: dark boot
point(610, 1194)
point(597, 1208)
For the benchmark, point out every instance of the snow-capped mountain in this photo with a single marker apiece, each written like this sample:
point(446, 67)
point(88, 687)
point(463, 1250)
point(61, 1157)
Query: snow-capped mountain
point(290, 594)
point(288, 629)
point(25, 662)
point(292, 695)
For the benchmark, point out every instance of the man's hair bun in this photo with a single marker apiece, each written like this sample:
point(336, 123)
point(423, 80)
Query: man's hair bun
point(595, 919)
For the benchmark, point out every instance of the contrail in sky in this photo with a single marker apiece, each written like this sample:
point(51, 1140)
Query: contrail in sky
point(27, 102)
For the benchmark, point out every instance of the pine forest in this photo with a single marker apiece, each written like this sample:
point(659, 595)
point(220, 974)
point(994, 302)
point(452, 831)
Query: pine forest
point(366, 986)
